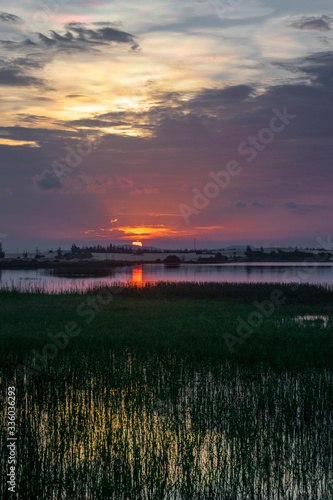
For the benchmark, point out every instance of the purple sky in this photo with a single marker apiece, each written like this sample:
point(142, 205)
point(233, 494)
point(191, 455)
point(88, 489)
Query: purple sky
point(118, 116)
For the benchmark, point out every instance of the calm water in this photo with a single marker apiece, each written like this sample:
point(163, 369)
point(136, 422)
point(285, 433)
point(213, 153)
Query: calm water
point(250, 273)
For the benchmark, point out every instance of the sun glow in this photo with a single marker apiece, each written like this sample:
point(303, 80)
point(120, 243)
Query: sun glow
point(137, 243)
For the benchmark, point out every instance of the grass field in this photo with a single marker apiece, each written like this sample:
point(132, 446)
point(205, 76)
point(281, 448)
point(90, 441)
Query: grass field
point(148, 394)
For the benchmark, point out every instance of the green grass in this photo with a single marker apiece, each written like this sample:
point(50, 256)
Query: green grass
point(148, 402)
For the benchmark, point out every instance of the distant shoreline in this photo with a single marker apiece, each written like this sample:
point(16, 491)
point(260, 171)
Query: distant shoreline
point(86, 260)
point(61, 264)
point(93, 264)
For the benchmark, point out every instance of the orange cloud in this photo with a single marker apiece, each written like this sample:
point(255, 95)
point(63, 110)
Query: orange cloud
point(152, 231)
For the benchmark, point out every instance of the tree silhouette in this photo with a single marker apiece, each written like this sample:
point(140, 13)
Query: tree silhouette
point(248, 252)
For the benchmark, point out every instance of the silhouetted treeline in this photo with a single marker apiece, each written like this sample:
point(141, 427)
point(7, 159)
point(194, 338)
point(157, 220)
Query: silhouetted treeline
point(110, 248)
point(101, 249)
point(251, 255)
point(284, 255)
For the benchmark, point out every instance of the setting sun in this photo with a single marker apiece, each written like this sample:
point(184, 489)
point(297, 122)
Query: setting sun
point(137, 243)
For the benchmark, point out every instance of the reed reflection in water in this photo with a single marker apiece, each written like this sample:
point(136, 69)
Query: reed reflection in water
point(59, 280)
point(125, 427)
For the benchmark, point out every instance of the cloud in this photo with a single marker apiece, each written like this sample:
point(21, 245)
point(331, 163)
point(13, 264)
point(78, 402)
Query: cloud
point(85, 184)
point(193, 132)
point(15, 77)
point(10, 18)
point(210, 98)
point(21, 71)
point(47, 181)
point(102, 35)
point(81, 183)
point(39, 135)
point(303, 208)
point(322, 23)
point(77, 38)
point(36, 50)
point(95, 123)
point(31, 118)
point(317, 66)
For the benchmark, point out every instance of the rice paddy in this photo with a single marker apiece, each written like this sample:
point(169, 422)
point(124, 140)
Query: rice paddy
point(149, 402)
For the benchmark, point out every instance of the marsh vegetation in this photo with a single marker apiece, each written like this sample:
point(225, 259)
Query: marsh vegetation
point(148, 402)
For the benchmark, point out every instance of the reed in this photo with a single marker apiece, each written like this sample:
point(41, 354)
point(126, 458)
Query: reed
point(149, 403)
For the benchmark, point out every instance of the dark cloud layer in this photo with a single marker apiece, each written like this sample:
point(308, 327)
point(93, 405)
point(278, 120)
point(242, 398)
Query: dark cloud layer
point(297, 206)
point(304, 208)
point(322, 23)
point(318, 66)
point(77, 38)
point(15, 77)
point(42, 135)
point(40, 49)
point(10, 18)
point(47, 180)
point(21, 71)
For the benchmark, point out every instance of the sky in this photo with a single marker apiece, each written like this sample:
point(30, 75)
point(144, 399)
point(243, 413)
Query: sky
point(165, 121)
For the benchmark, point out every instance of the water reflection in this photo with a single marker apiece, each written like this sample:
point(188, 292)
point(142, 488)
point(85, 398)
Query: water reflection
point(160, 429)
point(57, 280)
point(79, 272)
point(313, 320)
point(137, 276)
point(306, 320)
